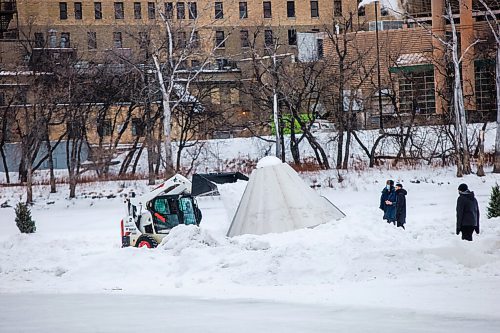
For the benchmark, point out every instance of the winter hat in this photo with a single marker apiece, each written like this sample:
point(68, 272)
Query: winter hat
point(399, 185)
point(463, 187)
point(390, 182)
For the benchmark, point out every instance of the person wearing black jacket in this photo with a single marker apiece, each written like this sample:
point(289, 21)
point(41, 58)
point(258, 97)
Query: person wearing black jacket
point(467, 213)
point(400, 205)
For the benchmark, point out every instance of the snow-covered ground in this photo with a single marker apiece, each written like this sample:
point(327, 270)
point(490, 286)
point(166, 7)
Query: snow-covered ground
point(356, 274)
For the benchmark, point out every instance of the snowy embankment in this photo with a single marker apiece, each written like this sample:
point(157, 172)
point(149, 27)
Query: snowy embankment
point(359, 261)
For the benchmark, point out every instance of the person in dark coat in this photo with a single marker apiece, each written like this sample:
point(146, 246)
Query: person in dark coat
point(467, 213)
point(400, 205)
point(388, 202)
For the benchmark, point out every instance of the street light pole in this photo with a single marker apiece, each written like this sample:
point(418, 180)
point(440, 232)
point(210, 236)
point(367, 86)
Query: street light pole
point(275, 112)
point(381, 123)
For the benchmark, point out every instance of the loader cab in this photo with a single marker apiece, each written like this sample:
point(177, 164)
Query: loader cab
point(168, 211)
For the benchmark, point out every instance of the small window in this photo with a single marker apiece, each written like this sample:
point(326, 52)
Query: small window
point(98, 10)
point(314, 9)
point(78, 10)
point(63, 10)
point(220, 41)
point(195, 40)
point(73, 130)
point(137, 127)
point(181, 39)
point(243, 10)
point(219, 10)
point(292, 37)
point(290, 9)
point(169, 10)
point(319, 43)
point(151, 11)
point(268, 38)
point(244, 38)
point(117, 40)
point(193, 10)
point(39, 40)
point(361, 10)
point(119, 13)
point(92, 40)
point(181, 11)
point(267, 9)
point(215, 96)
point(235, 96)
point(2, 98)
point(65, 40)
point(195, 64)
point(104, 128)
point(337, 7)
point(143, 40)
point(137, 10)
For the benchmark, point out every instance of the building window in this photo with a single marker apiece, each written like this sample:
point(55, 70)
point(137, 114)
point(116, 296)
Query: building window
point(485, 85)
point(314, 9)
point(234, 94)
point(193, 10)
point(39, 40)
point(63, 10)
point(169, 10)
point(104, 128)
point(137, 127)
point(195, 64)
point(416, 92)
point(195, 40)
point(65, 40)
point(337, 7)
point(243, 10)
point(181, 11)
point(244, 38)
point(220, 39)
point(267, 9)
point(137, 11)
point(384, 11)
point(151, 11)
point(143, 40)
point(319, 46)
point(117, 40)
point(92, 40)
point(215, 96)
point(2, 98)
point(181, 39)
point(292, 37)
point(98, 10)
point(78, 10)
point(290, 9)
point(119, 14)
point(361, 10)
point(268, 38)
point(73, 129)
point(219, 10)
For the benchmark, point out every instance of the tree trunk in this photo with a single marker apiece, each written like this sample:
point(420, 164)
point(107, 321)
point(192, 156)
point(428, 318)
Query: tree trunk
point(29, 184)
point(480, 160)
point(340, 147)
point(347, 150)
point(496, 168)
point(5, 166)
point(458, 103)
point(294, 146)
point(51, 166)
point(167, 114)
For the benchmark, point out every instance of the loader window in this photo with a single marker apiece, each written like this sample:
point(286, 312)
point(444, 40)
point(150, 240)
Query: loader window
point(186, 206)
point(164, 214)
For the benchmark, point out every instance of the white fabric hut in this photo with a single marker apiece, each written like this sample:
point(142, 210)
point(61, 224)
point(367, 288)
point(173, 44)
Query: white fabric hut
point(276, 199)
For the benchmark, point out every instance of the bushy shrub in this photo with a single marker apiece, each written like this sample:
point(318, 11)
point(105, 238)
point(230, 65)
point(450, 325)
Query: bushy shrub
point(494, 206)
point(23, 219)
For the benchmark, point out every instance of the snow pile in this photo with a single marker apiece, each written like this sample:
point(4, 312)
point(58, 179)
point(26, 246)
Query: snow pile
point(189, 237)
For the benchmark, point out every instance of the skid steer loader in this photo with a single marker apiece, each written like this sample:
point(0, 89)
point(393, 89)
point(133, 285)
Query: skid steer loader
point(151, 216)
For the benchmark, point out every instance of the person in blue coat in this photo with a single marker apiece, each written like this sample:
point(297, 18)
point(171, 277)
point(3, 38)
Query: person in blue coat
point(388, 202)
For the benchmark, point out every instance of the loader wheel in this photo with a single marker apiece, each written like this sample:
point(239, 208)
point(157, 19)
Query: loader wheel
point(146, 241)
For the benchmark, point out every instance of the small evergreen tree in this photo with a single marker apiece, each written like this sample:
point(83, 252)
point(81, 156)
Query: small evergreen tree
point(23, 219)
point(494, 206)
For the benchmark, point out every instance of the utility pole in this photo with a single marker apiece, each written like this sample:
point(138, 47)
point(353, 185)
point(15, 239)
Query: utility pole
point(275, 110)
point(381, 123)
